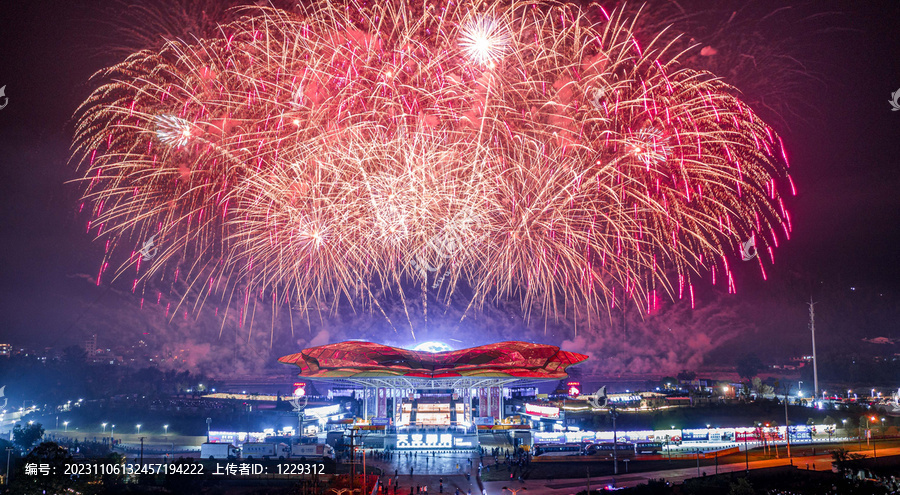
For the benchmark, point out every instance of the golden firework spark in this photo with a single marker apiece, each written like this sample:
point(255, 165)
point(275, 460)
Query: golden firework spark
point(523, 150)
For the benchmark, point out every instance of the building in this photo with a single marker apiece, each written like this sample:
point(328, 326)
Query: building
point(421, 391)
point(90, 346)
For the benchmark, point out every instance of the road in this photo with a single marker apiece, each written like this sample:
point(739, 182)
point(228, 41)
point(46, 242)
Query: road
point(563, 487)
point(441, 470)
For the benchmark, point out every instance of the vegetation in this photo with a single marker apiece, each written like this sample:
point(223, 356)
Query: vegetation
point(28, 435)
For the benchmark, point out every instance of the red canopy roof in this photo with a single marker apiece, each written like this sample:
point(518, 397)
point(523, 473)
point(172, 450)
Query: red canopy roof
point(366, 360)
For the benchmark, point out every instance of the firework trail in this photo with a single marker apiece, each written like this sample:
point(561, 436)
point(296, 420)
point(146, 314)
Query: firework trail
point(525, 151)
point(767, 54)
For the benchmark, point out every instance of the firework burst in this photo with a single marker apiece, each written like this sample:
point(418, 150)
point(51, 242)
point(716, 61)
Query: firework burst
point(344, 152)
point(485, 40)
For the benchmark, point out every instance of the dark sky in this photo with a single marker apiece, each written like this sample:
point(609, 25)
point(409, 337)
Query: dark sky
point(844, 158)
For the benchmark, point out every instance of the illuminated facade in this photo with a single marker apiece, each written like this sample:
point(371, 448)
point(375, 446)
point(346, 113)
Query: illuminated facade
point(433, 389)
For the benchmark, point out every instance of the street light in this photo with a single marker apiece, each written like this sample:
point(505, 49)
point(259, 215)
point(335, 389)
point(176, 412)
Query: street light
point(844, 422)
point(746, 452)
point(104, 427)
point(8, 452)
point(668, 449)
point(166, 427)
point(66, 425)
point(869, 435)
point(138, 429)
point(868, 432)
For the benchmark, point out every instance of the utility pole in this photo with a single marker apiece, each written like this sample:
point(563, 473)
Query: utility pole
point(142, 450)
point(299, 403)
point(746, 453)
point(812, 329)
point(669, 450)
point(10, 449)
point(614, 415)
point(352, 460)
point(588, 478)
point(787, 425)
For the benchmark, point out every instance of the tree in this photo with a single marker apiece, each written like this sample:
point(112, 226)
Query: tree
point(757, 382)
point(749, 365)
point(845, 461)
point(741, 487)
point(26, 436)
point(57, 481)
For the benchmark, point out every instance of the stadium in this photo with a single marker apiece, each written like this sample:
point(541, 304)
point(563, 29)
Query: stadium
point(431, 400)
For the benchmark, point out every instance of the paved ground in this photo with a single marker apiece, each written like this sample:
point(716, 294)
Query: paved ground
point(429, 471)
point(562, 487)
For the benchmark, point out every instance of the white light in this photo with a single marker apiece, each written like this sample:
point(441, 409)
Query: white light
point(432, 346)
point(172, 130)
point(485, 40)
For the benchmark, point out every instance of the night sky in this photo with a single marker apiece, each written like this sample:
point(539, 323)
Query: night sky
point(844, 153)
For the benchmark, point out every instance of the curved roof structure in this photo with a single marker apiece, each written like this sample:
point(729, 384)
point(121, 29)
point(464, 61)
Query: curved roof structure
point(503, 360)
